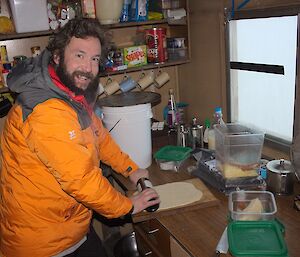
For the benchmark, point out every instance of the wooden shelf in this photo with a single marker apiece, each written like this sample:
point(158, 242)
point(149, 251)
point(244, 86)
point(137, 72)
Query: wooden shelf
point(135, 24)
point(25, 35)
point(111, 26)
point(145, 67)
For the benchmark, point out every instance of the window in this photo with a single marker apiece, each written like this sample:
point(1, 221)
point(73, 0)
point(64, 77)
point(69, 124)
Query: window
point(262, 54)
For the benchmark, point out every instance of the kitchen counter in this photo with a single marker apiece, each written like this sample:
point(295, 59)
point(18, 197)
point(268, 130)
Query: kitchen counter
point(198, 231)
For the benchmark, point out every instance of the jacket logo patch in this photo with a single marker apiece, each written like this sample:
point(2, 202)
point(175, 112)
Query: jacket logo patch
point(72, 134)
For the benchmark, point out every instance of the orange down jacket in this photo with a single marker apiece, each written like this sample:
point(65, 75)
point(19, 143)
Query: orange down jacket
point(51, 181)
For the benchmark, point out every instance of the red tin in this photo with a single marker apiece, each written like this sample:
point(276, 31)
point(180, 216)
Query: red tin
point(156, 45)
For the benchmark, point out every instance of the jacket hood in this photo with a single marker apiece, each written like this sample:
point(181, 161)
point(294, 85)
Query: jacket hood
point(31, 81)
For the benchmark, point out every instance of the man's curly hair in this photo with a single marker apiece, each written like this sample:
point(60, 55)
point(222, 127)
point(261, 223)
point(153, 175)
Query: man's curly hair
point(79, 28)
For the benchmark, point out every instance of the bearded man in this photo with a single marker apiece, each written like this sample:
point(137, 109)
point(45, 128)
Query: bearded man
point(52, 144)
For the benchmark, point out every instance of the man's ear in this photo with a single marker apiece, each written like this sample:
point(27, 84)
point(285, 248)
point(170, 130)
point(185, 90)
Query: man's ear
point(56, 57)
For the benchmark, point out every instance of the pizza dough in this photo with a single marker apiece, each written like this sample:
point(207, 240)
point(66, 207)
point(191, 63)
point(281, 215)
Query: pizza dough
point(177, 194)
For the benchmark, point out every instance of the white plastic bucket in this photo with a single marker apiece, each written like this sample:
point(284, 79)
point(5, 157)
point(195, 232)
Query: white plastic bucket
point(131, 128)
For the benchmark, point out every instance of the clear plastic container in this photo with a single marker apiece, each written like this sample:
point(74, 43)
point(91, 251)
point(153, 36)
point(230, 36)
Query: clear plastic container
point(238, 150)
point(252, 205)
point(175, 54)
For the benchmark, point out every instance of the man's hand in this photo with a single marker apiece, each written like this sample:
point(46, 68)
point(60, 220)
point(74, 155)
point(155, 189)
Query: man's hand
point(140, 173)
point(144, 199)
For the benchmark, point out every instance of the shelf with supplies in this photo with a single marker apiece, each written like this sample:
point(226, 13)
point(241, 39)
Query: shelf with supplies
point(13, 36)
point(145, 67)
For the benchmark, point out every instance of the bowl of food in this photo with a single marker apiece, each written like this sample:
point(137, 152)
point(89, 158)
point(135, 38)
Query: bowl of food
point(252, 205)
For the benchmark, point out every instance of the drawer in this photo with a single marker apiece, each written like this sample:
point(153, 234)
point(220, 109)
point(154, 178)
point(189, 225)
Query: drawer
point(156, 236)
point(145, 250)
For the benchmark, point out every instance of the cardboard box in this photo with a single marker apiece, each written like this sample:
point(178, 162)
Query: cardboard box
point(135, 56)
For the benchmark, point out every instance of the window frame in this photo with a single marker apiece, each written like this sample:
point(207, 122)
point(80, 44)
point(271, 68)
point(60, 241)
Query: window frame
point(270, 141)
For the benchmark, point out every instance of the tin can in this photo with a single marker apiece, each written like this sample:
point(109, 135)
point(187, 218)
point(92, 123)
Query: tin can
point(156, 45)
point(18, 59)
point(3, 54)
point(35, 50)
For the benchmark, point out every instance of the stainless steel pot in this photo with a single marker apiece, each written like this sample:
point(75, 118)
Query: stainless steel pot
point(280, 177)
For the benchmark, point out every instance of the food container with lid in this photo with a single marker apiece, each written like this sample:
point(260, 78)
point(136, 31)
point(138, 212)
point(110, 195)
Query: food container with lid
point(256, 239)
point(252, 205)
point(171, 157)
point(238, 150)
point(280, 177)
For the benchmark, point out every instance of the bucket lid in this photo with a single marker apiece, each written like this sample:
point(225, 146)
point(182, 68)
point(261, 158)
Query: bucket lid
point(280, 166)
point(256, 238)
point(129, 99)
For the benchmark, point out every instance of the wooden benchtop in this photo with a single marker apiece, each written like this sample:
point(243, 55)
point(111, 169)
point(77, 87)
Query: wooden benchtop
point(198, 231)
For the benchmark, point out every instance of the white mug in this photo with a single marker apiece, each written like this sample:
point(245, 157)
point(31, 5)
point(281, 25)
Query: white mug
point(111, 87)
point(146, 80)
point(161, 79)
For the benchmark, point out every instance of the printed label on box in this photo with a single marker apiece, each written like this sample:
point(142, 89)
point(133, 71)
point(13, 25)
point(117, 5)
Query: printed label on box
point(135, 56)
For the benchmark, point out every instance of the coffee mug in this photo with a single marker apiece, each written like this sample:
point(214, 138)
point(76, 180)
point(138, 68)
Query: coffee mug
point(161, 79)
point(127, 84)
point(100, 89)
point(146, 80)
point(111, 87)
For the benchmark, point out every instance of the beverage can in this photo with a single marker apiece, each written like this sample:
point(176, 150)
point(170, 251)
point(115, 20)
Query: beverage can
point(3, 54)
point(156, 45)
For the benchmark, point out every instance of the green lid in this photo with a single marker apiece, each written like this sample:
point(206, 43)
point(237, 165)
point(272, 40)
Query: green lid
point(256, 239)
point(207, 123)
point(172, 153)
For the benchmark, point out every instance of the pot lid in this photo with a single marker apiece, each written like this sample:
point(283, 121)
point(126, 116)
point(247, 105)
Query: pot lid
point(280, 166)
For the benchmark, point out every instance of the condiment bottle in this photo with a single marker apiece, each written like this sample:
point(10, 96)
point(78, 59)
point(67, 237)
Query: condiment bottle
point(218, 119)
point(141, 185)
point(172, 116)
point(205, 135)
point(196, 134)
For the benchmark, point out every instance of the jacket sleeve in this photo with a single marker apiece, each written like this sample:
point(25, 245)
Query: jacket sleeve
point(53, 134)
point(111, 154)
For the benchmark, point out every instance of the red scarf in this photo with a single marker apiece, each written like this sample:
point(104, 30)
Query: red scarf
point(78, 98)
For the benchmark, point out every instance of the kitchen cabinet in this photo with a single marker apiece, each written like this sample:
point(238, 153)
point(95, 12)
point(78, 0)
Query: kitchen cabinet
point(153, 239)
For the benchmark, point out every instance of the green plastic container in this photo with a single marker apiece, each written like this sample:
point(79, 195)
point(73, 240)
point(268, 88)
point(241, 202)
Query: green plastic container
point(256, 239)
point(172, 153)
point(171, 157)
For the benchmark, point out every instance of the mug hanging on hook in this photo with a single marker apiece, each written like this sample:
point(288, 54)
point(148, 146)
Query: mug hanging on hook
point(161, 78)
point(146, 80)
point(111, 87)
point(127, 84)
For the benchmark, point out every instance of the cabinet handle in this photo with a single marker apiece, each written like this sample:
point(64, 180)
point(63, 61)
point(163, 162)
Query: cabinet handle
point(148, 253)
point(153, 231)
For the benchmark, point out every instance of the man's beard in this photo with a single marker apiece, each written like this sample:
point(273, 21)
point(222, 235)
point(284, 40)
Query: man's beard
point(90, 93)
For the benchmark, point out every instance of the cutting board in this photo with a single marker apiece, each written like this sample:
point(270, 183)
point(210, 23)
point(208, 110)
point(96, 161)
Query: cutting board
point(207, 200)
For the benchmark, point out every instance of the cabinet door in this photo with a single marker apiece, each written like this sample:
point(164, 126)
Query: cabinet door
point(153, 234)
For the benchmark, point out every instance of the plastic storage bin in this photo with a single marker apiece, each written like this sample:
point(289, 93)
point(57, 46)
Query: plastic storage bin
point(238, 150)
point(29, 15)
point(171, 157)
point(175, 54)
point(252, 205)
point(256, 239)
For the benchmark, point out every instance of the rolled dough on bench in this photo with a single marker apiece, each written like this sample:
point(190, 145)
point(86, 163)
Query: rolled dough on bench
point(177, 194)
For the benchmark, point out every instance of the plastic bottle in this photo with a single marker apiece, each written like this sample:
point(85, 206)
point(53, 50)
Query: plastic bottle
point(205, 135)
point(172, 117)
point(218, 119)
point(141, 185)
